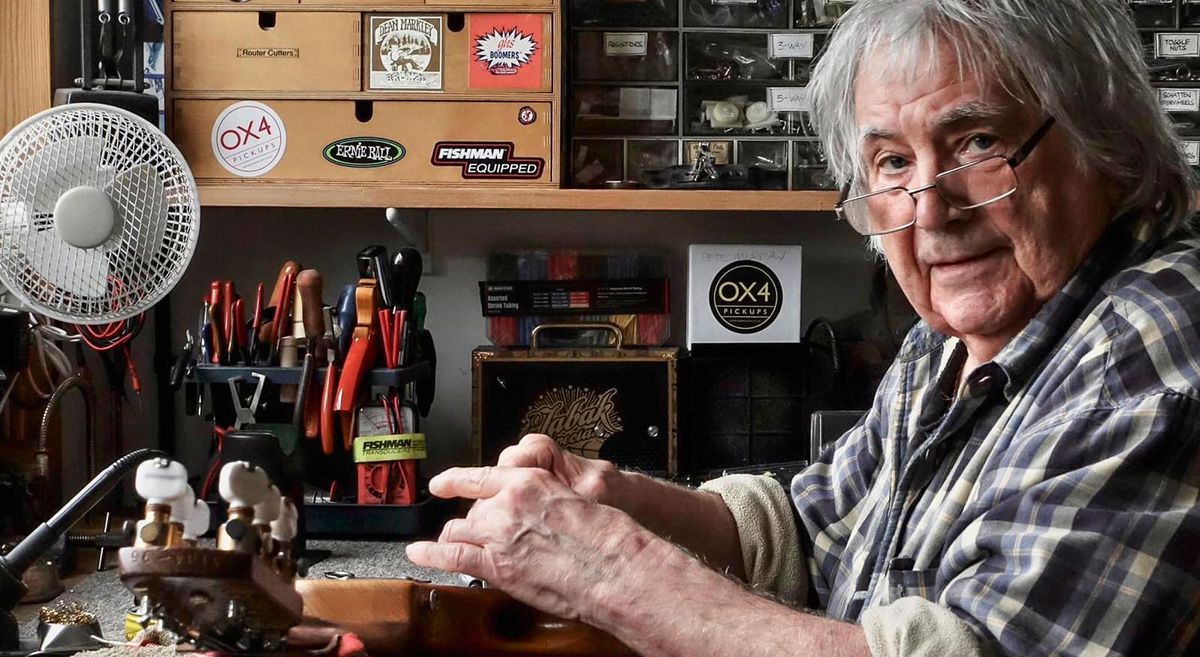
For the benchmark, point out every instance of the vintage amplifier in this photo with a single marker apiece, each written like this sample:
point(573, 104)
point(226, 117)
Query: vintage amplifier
point(614, 403)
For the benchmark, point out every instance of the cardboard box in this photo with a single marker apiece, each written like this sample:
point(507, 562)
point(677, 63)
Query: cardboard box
point(743, 293)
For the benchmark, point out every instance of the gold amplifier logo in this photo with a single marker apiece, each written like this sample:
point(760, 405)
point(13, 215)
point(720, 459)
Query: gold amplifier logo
point(578, 419)
point(269, 53)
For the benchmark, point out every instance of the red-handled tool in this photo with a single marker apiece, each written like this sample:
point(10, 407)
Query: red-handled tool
point(360, 359)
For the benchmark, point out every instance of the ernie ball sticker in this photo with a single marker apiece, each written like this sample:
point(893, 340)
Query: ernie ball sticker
point(506, 51)
point(486, 159)
point(248, 139)
point(406, 53)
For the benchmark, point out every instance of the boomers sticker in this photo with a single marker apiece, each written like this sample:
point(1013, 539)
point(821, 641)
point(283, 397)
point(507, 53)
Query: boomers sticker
point(248, 139)
point(506, 51)
point(745, 296)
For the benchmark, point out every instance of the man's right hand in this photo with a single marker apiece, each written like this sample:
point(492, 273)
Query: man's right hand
point(591, 478)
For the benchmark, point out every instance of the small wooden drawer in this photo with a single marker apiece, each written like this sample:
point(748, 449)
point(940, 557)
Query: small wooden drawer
point(238, 3)
point(266, 51)
point(467, 143)
point(475, 53)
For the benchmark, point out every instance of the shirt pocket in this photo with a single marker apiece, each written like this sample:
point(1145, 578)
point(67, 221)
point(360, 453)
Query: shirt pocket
point(908, 583)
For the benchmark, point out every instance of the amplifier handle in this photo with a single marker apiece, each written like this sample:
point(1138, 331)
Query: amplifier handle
point(593, 326)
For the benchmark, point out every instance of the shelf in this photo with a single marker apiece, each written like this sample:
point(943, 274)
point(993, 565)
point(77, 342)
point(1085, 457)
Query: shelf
point(291, 375)
point(273, 194)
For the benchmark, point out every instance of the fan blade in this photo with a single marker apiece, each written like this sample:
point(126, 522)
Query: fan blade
point(82, 272)
point(139, 196)
point(57, 167)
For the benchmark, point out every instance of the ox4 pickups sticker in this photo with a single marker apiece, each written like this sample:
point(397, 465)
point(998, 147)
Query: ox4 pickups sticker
point(248, 139)
point(406, 52)
point(506, 51)
point(486, 159)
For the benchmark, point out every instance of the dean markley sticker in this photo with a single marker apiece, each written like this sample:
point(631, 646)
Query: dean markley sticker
point(364, 152)
point(506, 51)
point(486, 159)
point(406, 52)
point(248, 139)
point(745, 296)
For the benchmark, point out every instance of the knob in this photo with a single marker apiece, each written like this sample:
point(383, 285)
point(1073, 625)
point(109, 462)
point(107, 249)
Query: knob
point(197, 521)
point(160, 480)
point(181, 507)
point(283, 528)
point(268, 509)
point(242, 484)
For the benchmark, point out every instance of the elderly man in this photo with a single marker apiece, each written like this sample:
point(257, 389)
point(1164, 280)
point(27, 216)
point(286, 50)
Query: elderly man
point(1026, 482)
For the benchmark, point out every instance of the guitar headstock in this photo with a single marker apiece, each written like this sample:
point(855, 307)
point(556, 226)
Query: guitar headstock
point(239, 596)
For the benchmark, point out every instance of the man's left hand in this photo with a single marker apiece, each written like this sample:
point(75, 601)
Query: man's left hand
point(535, 538)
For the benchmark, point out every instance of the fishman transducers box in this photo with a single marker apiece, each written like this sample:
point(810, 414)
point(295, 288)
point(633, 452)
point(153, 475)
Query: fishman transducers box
point(743, 293)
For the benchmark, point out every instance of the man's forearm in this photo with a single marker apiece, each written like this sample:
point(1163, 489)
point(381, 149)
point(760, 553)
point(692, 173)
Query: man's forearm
point(674, 607)
point(696, 520)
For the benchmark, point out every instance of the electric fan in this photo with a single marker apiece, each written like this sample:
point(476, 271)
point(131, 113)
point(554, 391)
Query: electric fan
point(99, 214)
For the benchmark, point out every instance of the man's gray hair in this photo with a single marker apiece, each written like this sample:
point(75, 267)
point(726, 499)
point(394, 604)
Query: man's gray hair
point(1080, 61)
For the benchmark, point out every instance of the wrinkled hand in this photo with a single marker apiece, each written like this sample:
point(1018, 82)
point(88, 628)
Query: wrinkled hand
point(590, 478)
point(534, 537)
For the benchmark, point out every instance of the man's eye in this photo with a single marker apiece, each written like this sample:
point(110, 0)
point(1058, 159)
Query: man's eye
point(892, 164)
point(981, 144)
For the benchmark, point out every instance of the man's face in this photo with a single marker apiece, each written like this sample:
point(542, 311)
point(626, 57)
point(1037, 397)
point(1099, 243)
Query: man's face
point(978, 274)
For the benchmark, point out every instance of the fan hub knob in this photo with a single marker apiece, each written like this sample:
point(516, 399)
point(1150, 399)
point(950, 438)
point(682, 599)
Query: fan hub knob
point(84, 217)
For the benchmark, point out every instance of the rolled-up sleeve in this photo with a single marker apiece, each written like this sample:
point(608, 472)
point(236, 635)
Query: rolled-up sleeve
point(767, 531)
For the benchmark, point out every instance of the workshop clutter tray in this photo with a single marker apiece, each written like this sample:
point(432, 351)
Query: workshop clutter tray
point(617, 404)
point(440, 142)
point(628, 291)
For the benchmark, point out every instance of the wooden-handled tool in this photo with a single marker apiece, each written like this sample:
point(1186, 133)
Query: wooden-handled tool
point(290, 267)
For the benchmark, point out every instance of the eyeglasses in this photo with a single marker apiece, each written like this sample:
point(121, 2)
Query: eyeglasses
point(966, 187)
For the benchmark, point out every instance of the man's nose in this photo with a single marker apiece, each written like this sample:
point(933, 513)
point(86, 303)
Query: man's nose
point(932, 211)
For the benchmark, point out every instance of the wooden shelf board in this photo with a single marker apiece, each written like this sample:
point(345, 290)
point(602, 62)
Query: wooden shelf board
point(279, 194)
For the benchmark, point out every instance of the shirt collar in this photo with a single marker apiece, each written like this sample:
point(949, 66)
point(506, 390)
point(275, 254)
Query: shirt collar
point(1128, 240)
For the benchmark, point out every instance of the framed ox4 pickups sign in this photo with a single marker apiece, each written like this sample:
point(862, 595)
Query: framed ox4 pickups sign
point(743, 293)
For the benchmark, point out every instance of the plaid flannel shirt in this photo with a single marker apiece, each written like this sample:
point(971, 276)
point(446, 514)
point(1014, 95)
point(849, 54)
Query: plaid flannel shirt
point(1052, 503)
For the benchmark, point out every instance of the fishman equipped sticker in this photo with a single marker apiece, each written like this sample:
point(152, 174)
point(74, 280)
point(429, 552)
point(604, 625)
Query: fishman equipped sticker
point(486, 159)
point(363, 152)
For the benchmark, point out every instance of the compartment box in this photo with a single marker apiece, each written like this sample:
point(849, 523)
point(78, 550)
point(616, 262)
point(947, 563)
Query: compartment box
point(595, 162)
point(623, 13)
point(266, 51)
point(725, 57)
point(1172, 56)
point(491, 54)
point(393, 141)
point(727, 13)
point(627, 55)
point(810, 168)
point(615, 404)
point(1153, 13)
point(608, 110)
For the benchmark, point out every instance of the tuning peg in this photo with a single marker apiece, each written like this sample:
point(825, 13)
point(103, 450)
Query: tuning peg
point(181, 508)
point(197, 522)
point(283, 528)
point(268, 509)
point(283, 532)
point(159, 481)
point(243, 485)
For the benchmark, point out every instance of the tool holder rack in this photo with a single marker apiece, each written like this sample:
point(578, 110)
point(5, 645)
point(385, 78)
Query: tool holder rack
point(345, 519)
